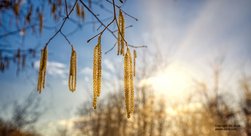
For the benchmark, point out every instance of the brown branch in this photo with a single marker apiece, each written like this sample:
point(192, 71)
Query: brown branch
point(116, 21)
point(106, 27)
point(141, 46)
point(132, 46)
point(111, 48)
point(123, 11)
point(62, 25)
point(66, 39)
point(66, 7)
point(86, 23)
point(100, 33)
point(125, 28)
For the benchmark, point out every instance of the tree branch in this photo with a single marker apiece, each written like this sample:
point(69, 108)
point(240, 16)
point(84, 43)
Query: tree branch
point(62, 25)
point(123, 11)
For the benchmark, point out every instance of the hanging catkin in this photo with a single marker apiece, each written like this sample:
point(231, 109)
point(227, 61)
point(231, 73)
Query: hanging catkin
point(122, 29)
point(78, 10)
point(40, 22)
point(97, 72)
point(131, 85)
point(73, 71)
point(118, 50)
point(121, 33)
point(128, 83)
point(95, 69)
point(42, 70)
point(134, 62)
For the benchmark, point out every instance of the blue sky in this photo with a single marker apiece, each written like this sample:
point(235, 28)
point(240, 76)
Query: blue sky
point(188, 34)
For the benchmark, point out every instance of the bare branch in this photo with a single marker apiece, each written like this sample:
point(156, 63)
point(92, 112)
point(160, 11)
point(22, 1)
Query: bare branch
point(106, 27)
point(62, 25)
point(111, 48)
point(123, 11)
point(66, 39)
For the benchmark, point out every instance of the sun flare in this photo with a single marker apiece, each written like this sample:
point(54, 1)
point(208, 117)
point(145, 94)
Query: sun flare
point(171, 81)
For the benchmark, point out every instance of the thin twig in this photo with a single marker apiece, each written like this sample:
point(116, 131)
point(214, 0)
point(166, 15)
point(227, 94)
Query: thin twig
point(125, 28)
point(97, 19)
point(100, 33)
point(141, 46)
point(123, 11)
point(66, 7)
point(64, 20)
point(111, 48)
point(66, 39)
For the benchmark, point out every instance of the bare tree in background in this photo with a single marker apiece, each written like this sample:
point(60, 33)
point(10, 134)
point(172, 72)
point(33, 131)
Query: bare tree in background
point(245, 83)
point(213, 109)
point(148, 118)
point(23, 118)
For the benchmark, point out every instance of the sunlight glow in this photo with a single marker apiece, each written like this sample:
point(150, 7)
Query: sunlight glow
point(171, 81)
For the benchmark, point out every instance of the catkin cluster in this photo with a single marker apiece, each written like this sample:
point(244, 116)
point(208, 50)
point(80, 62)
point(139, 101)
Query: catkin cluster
point(42, 70)
point(129, 67)
point(73, 71)
point(128, 83)
point(97, 72)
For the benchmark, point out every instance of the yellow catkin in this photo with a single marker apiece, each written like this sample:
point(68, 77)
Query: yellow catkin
point(118, 51)
point(131, 85)
point(42, 70)
point(95, 69)
point(97, 72)
point(73, 71)
point(121, 33)
point(122, 30)
point(99, 65)
point(128, 83)
point(134, 62)
point(119, 37)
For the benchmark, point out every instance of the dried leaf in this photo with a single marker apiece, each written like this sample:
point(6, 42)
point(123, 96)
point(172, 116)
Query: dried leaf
point(73, 71)
point(42, 70)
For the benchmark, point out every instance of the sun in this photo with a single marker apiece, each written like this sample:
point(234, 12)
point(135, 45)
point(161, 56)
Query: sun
point(171, 81)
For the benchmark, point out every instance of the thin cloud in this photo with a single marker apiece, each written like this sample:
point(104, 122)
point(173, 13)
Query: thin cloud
point(55, 69)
